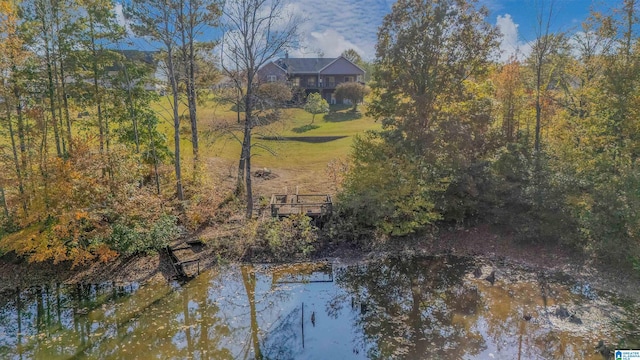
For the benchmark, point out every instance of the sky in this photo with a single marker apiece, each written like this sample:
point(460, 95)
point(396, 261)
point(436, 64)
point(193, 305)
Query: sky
point(333, 26)
point(336, 25)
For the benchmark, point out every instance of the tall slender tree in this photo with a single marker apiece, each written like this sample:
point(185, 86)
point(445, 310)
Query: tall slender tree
point(100, 31)
point(156, 19)
point(13, 57)
point(195, 17)
point(41, 17)
point(255, 32)
point(544, 45)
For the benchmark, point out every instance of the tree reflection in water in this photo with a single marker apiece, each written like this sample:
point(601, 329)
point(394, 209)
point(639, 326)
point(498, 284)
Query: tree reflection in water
point(415, 308)
point(393, 308)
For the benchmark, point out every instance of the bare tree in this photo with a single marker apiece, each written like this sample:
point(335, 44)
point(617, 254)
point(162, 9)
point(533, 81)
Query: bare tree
point(256, 31)
point(194, 18)
point(543, 46)
point(155, 19)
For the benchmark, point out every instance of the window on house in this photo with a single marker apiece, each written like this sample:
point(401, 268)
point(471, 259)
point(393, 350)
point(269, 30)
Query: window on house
point(311, 81)
point(360, 78)
point(296, 81)
point(349, 79)
point(271, 78)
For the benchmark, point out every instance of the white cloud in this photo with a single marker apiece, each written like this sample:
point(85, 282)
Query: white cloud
point(120, 19)
point(328, 42)
point(332, 26)
point(510, 45)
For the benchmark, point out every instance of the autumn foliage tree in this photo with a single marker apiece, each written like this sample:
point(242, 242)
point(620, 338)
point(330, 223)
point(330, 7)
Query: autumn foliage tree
point(75, 166)
point(430, 96)
point(352, 91)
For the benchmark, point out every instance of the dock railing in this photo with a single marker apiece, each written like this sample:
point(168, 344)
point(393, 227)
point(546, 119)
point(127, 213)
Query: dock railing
point(312, 205)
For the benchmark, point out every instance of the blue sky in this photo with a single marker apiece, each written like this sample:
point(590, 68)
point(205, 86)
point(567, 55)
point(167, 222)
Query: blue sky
point(335, 25)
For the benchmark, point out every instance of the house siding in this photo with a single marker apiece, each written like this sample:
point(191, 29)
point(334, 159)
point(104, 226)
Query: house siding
point(341, 66)
point(271, 69)
point(313, 77)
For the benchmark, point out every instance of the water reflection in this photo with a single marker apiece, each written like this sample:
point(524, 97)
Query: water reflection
point(418, 308)
point(413, 309)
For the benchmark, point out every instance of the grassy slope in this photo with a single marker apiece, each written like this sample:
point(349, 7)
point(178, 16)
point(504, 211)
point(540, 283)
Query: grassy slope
point(293, 154)
point(296, 163)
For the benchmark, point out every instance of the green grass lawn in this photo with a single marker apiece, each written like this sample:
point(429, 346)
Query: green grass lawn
point(271, 148)
point(301, 154)
point(273, 153)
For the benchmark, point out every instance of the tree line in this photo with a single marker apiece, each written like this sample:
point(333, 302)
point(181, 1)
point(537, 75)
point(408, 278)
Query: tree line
point(82, 120)
point(544, 145)
point(81, 143)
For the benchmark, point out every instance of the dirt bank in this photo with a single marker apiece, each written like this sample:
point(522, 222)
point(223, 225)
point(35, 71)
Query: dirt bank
point(478, 241)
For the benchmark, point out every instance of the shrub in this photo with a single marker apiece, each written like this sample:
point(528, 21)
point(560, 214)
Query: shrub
point(124, 239)
point(527, 195)
point(8, 226)
point(129, 239)
point(293, 236)
point(163, 231)
point(609, 217)
point(304, 128)
point(387, 193)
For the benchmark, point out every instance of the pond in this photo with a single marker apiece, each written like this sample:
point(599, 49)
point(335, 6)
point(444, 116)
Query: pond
point(394, 307)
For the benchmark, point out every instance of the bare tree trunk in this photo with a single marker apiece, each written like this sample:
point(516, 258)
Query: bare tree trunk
point(241, 167)
point(248, 177)
point(252, 20)
point(238, 106)
point(58, 99)
point(44, 154)
point(15, 159)
point(191, 97)
point(188, 63)
point(65, 103)
point(21, 126)
point(61, 89)
point(542, 47)
point(51, 89)
point(155, 159)
point(4, 203)
point(96, 88)
point(536, 146)
point(176, 121)
point(246, 146)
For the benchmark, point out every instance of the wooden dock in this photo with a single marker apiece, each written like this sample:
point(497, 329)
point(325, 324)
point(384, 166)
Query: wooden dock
point(185, 258)
point(313, 205)
point(302, 273)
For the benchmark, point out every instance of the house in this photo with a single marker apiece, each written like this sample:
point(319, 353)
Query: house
point(320, 75)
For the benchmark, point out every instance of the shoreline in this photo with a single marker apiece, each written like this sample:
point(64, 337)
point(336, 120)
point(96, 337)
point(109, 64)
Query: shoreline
point(477, 242)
